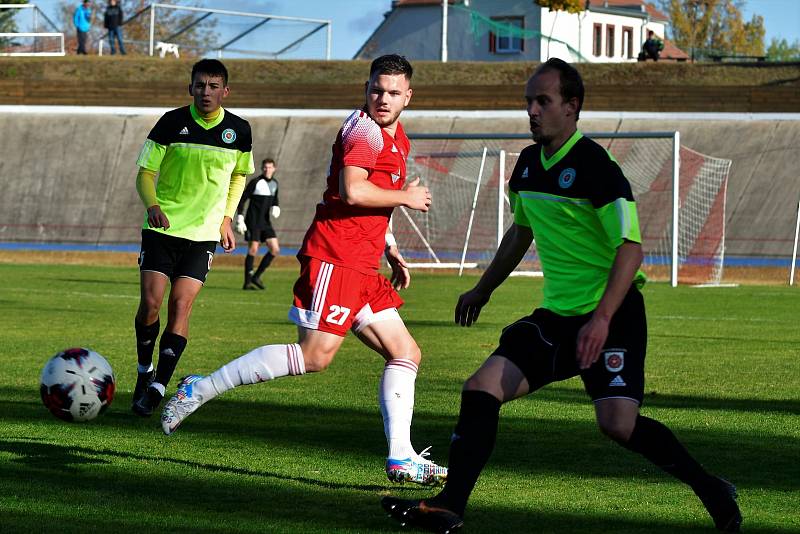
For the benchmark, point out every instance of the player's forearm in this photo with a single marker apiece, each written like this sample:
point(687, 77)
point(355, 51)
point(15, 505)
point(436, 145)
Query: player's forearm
point(626, 263)
point(365, 194)
point(234, 194)
point(146, 187)
point(512, 249)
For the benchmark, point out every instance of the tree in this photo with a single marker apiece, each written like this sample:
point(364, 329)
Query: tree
point(708, 27)
point(781, 50)
point(570, 6)
point(8, 22)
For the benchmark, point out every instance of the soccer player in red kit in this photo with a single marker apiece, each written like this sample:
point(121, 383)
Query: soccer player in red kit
point(340, 288)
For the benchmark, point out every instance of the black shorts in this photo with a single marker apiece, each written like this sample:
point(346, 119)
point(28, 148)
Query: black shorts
point(260, 234)
point(542, 345)
point(176, 257)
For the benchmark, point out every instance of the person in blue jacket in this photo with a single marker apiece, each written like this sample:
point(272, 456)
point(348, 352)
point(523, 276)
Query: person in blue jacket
point(83, 23)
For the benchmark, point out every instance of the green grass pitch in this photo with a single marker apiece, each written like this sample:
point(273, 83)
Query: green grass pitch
point(306, 454)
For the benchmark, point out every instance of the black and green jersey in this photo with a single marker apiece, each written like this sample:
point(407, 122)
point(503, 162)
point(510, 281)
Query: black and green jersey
point(580, 207)
point(194, 160)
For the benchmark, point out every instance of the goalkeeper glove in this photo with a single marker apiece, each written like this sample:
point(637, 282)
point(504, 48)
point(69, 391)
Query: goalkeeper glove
point(239, 226)
point(276, 211)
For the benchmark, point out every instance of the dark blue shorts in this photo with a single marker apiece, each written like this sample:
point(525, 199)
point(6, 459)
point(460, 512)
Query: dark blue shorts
point(542, 345)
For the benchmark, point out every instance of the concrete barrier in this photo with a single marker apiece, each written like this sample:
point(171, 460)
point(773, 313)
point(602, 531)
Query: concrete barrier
point(69, 176)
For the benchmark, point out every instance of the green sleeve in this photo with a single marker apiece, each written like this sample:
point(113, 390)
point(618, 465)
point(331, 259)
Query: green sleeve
point(516, 208)
point(244, 164)
point(620, 221)
point(151, 155)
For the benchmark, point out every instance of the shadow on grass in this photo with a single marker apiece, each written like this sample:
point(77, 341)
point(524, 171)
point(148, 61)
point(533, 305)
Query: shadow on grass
point(159, 493)
point(528, 446)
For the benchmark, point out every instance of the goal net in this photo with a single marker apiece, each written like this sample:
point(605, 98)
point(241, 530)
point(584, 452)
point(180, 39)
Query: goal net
point(162, 28)
point(26, 31)
point(683, 227)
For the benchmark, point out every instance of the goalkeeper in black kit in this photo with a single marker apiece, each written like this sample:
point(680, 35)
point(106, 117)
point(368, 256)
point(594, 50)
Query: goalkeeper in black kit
point(255, 224)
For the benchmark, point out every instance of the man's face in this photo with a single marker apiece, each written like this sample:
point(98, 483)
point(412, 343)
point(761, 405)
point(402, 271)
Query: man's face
point(387, 97)
point(550, 116)
point(208, 92)
point(268, 169)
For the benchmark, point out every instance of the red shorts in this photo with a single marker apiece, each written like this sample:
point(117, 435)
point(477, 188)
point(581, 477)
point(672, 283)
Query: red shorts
point(331, 298)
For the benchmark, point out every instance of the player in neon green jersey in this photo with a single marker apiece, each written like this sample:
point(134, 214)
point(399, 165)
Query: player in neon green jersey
point(571, 194)
point(201, 154)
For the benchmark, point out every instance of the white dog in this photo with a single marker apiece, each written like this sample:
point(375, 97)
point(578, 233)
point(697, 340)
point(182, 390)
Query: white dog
point(167, 48)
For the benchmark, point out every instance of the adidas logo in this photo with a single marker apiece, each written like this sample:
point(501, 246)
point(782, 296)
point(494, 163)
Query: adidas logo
point(617, 381)
point(524, 173)
point(394, 148)
point(185, 131)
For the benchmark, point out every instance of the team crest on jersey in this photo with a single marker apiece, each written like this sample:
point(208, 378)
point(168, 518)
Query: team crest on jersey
point(228, 136)
point(615, 360)
point(566, 178)
point(396, 177)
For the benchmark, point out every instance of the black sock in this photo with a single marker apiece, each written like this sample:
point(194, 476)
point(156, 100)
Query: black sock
point(470, 448)
point(248, 266)
point(265, 261)
point(658, 444)
point(169, 352)
point(146, 336)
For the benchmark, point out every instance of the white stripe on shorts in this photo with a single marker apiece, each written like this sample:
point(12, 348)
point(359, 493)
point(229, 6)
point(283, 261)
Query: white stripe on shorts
point(321, 286)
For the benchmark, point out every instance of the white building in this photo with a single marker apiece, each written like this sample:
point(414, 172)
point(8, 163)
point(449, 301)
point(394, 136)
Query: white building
point(519, 30)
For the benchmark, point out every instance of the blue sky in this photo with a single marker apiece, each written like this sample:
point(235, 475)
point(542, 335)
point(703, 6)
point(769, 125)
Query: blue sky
point(355, 20)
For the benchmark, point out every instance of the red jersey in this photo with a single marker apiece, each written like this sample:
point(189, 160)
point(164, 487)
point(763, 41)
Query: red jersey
point(353, 236)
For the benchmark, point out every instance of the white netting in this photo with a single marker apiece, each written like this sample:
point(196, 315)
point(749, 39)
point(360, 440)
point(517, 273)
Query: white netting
point(451, 167)
point(231, 34)
point(26, 31)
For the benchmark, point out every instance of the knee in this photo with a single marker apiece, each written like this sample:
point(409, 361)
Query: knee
point(149, 308)
point(276, 250)
point(479, 382)
point(317, 360)
point(413, 353)
point(180, 307)
point(618, 429)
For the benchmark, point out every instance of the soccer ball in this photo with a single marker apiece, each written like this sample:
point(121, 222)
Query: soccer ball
point(77, 385)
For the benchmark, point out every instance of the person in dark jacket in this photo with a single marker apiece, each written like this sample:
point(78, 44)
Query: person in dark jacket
point(113, 23)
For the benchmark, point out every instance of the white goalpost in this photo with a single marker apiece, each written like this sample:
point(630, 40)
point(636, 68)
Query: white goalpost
point(794, 247)
point(680, 194)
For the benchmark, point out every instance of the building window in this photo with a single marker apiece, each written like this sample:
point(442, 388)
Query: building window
point(597, 40)
point(507, 40)
point(610, 40)
point(627, 41)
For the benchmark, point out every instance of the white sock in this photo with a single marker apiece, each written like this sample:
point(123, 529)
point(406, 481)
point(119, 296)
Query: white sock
point(258, 365)
point(396, 399)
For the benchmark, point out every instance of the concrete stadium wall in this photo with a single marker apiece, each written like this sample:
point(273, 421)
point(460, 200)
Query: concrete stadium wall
point(69, 176)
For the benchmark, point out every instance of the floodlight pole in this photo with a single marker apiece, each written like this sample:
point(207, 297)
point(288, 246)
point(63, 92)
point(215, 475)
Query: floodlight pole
point(444, 31)
point(794, 251)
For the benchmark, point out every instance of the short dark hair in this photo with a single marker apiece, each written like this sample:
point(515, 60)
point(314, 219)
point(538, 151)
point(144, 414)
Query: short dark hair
point(267, 160)
point(391, 64)
point(569, 79)
point(211, 67)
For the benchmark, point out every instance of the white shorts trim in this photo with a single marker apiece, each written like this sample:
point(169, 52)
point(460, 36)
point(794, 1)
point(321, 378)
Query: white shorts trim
point(305, 318)
point(617, 397)
point(366, 317)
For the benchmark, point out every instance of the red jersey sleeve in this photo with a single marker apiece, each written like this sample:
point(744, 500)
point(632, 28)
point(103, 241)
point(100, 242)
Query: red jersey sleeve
point(362, 140)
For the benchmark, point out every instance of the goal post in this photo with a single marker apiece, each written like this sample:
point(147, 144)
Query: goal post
point(680, 194)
